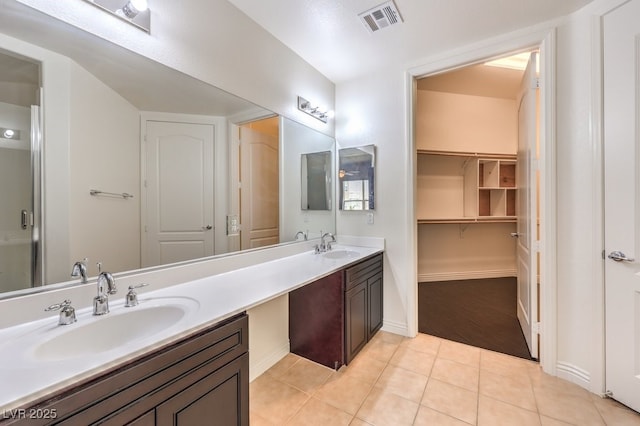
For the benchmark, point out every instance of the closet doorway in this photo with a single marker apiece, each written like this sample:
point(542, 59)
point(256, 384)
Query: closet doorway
point(478, 205)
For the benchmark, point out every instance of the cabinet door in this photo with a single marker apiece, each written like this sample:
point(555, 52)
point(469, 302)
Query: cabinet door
point(374, 294)
point(221, 398)
point(356, 320)
point(316, 321)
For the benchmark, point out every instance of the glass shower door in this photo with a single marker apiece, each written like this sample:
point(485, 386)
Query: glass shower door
point(16, 193)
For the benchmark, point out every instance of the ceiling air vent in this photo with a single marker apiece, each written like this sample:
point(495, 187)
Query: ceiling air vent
point(381, 16)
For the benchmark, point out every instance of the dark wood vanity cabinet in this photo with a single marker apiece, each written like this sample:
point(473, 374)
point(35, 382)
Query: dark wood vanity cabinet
point(201, 380)
point(363, 304)
point(331, 319)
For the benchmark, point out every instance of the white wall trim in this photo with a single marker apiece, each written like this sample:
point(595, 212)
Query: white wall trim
point(596, 137)
point(396, 328)
point(258, 367)
point(573, 374)
point(467, 275)
point(541, 35)
point(411, 159)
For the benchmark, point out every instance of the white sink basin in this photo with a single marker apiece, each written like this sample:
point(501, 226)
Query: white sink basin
point(341, 254)
point(122, 326)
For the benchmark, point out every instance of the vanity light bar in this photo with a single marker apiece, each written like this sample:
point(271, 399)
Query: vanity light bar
point(135, 12)
point(314, 111)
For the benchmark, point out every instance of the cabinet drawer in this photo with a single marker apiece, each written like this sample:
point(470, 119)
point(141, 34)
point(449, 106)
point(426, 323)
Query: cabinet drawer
point(363, 271)
point(128, 392)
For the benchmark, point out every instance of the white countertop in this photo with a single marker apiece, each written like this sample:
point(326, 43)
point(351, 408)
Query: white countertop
point(208, 301)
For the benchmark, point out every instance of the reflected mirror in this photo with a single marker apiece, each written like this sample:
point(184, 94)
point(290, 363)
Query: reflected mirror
point(110, 117)
point(357, 178)
point(316, 182)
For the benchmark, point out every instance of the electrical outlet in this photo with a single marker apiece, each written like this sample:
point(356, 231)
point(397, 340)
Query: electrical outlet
point(370, 218)
point(233, 224)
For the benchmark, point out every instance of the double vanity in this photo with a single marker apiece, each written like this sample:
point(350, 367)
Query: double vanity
point(182, 351)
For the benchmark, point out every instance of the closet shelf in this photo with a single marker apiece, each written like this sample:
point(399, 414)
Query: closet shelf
point(468, 154)
point(485, 219)
point(466, 187)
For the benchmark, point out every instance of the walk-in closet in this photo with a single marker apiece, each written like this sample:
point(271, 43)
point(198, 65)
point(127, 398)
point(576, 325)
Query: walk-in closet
point(467, 131)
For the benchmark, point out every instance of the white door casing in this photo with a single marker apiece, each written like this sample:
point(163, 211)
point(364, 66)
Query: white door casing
point(178, 223)
point(527, 301)
point(622, 202)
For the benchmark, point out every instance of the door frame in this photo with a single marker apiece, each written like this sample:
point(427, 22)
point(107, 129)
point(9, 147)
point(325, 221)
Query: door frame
point(545, 39)
point(220, 176)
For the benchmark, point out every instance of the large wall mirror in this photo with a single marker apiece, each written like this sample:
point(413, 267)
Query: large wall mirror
point(356, 173)
point(135, 131)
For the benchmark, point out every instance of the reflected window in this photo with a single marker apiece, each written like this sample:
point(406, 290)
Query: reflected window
point(357, 178)
point(356, 195)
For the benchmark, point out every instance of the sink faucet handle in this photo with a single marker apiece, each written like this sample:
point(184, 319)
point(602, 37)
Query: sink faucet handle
point(131, 299)
point(67, 312)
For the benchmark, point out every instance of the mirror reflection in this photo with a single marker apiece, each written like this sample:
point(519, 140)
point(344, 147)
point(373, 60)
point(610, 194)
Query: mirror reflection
point(207, 171)
point(357, 178)
point(315, 175)
point(19, 112)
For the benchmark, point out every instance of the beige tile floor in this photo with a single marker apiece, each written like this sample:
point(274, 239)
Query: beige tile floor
point(425, 381)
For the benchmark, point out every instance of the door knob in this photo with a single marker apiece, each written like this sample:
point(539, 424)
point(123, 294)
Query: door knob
point(619, 256)
point(207, 228)
point(514, 234)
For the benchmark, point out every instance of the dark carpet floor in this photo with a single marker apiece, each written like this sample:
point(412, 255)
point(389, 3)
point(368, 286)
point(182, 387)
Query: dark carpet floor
point(480, 313)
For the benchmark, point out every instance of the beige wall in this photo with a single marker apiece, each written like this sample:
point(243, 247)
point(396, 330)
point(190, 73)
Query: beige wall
point(466, 251)
point(456, 122)
point(105, 155)
point(453, 122)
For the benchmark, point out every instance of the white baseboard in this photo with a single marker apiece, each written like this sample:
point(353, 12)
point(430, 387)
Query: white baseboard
point(395, 327)
point(468, 275)
point(259, 366)
point(574, 374)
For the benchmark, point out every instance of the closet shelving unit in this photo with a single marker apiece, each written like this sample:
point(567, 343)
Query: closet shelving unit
point(466, 187)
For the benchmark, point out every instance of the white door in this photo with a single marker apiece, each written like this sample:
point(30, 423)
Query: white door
point(259, 201)
point(527, 303)
point(622, 202)
point(179, 212)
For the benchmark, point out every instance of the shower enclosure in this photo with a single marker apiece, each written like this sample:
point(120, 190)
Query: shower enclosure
point(20, 192)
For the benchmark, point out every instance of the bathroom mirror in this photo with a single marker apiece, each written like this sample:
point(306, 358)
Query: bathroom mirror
point(315, 180)
point(94, 96)
point(356, 174)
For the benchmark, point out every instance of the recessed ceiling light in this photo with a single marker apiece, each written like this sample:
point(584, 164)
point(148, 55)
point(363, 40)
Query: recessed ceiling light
point(10, 133)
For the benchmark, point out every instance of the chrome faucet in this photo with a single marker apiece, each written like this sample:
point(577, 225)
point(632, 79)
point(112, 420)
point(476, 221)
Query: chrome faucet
point(106, 286)
point(80, 270)
point(324, 245)
point(304, 234)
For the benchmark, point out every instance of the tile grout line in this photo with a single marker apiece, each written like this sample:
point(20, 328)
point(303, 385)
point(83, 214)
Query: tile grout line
point(355, 416)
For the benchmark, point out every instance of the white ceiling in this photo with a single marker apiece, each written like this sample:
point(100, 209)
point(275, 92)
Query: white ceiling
point(329, 35)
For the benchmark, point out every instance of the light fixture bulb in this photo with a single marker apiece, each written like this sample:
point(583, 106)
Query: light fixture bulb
point(133, 7)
